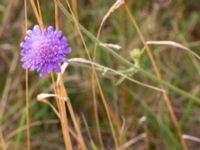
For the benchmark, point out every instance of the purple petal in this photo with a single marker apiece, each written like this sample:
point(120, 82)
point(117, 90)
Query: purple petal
point(24, 58)
point(63, 59)
point(43, 50)
point(49, 68)
point(25, 44)
point(36, 29)
point(29, 32)
point(58, 34)
point(67, 50)
point(43, 71)
point(32, 67)
point(57, 68)
point(50, 29)
point(63, 40)
point(26, 65)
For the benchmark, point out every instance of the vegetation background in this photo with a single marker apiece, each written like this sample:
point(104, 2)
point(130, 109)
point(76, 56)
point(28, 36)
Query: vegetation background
point(139, 115)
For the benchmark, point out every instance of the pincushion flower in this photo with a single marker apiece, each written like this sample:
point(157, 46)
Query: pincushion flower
point(43, 50)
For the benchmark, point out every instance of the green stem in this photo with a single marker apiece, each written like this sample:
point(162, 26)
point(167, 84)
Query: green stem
point(126, 62)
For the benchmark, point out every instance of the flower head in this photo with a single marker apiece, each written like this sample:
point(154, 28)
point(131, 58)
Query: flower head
point(43, 50)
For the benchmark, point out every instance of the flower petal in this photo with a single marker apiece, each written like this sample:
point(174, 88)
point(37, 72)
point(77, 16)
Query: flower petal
point(57, 68)
point(43, 50)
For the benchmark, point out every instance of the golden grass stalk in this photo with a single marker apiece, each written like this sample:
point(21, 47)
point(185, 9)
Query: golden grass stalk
point(116, 5)
point(27, 113)
point(27, 88)
point(174, 44)
point(3, 144)
point(156, 70)
point(95, 78)
point(39, 19)
point(88, 131)
point(63, 116)
point(42, 98)
point(39, 10)
point(96, 112)
point(92, 83)
point(61, 106)
point(59, 101)
point(63, 93)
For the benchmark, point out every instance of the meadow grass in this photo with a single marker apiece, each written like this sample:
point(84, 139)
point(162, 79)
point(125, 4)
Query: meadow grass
point(131, 81)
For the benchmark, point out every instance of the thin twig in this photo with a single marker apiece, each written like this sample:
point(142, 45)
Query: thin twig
point(33, 124)
point(175, 44)
point(27, 89)
point(116, 5)
point(191, 138)
point(129, 64)
point(133, 141)
point(93, 73)
point(3, 144)
point(156, 70)
point(82, 60)
point(63, 93)
point(63, 116)
point(56, 14)
point(39, 9)
point(39, 20)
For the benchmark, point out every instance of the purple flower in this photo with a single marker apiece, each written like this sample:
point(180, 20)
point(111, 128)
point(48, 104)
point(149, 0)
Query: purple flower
point(43, 50)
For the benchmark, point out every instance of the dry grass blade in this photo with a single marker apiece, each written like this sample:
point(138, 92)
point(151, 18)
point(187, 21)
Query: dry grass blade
point(39, 20)
point(39, 9)
point(60, 100)
point(156, 70)
point(133, 141)
point(115, 6)
point(27, 85)
point(175, 44)
point(110, 45)
point(63, 92)
point(88, 130)
point(93, 74)
point(63, 115)
point(33, 124)
point(6, 93)
point(191, 138)
point(42, 98)
point(3, 144)
point(8, 84)
point(27, 112)
point(56, 14)
point(84, 61)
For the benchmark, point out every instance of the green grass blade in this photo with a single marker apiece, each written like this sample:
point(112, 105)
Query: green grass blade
point(163, 132)
point(19, 135)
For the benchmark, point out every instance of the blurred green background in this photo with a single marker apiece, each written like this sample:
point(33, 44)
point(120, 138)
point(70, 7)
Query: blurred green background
point(177, 20)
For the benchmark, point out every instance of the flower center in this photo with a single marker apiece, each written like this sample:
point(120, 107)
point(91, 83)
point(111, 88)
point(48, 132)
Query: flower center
point(46, 50)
